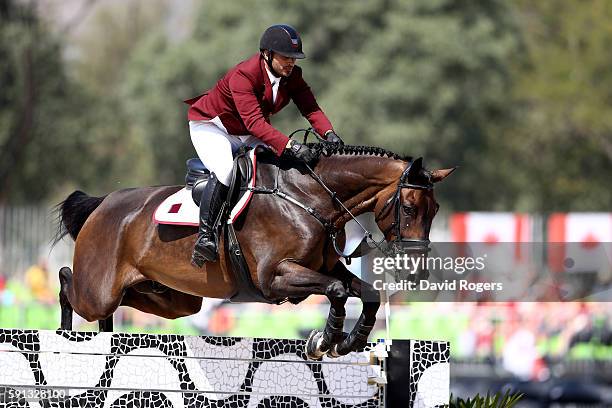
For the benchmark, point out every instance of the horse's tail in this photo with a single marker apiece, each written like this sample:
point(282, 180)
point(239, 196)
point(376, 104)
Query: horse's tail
point(72, 214)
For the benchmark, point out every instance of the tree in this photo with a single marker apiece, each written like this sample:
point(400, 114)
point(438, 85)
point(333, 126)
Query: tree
point(33, 102)
point(63, 127)
point(430, 78)
point(561, 141)
point(423, 78)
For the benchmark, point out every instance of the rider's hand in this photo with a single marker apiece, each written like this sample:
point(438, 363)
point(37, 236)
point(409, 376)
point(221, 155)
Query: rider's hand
point(332, 137)
point(300, 151)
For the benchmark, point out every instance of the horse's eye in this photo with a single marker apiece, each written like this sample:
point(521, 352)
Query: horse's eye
point(409, 211)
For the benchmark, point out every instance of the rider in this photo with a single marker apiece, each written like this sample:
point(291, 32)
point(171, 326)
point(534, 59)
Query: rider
point(236, 112)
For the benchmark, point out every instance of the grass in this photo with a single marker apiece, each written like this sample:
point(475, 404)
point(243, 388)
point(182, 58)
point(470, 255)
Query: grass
point(489, 401)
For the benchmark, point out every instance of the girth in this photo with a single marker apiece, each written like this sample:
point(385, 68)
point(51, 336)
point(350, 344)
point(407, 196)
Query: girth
point(246, 291)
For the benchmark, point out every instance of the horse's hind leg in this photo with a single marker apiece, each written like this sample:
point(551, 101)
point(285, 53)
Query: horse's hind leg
point(97, 288)
point(65, 278)
point(106, 325)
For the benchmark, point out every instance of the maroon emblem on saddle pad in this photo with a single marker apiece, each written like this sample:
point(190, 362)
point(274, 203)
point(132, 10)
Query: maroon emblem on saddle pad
point(175, 208)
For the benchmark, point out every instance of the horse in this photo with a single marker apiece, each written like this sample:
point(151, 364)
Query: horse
point(123, 258)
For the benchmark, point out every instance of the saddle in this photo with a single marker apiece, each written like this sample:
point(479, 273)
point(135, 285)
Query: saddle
point(181, 208)
point(197, 176)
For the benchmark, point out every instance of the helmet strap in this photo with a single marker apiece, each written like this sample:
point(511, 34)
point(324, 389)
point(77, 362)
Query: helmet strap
point(269, 62)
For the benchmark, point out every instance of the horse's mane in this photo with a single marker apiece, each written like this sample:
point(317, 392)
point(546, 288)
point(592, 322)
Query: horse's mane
point(329, 149)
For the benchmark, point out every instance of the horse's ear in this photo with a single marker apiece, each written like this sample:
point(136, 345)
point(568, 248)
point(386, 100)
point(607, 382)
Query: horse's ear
point(415, 169)
point(441, 174)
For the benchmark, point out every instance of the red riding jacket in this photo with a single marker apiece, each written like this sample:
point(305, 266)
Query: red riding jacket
point(242, 99)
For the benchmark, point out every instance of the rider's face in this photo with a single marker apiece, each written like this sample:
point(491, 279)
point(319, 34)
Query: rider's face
point(282, 65)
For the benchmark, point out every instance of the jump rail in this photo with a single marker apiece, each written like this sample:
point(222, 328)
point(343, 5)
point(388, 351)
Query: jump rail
point(74, 369)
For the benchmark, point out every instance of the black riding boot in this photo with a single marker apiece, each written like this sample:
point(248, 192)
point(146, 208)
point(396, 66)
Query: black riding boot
point(212, 198)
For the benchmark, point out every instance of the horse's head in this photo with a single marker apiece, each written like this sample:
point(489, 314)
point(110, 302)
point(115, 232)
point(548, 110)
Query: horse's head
point(406, 209)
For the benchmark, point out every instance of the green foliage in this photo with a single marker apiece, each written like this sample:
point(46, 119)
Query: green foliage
point(423, 78)
point(428, 79)
point(33, 95)
point(498, 400)
point(562, 130)
point(51, 128)
point(106, 48)
point(515, 93)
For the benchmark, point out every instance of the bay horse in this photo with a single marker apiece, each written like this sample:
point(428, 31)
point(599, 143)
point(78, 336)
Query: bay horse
point(120, 251)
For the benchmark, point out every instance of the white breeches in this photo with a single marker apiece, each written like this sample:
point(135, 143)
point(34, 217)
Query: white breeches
point(216, 148)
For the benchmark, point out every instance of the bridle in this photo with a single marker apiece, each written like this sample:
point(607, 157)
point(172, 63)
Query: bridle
point(395, 202)
point(367, 243)
point(406, 180)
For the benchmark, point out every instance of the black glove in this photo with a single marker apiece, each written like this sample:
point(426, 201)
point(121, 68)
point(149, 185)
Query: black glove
point(301, 152)
point(332, 137)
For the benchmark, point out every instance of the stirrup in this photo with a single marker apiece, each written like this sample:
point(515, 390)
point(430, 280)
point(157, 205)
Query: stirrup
point(198, 260)
point(204, 253)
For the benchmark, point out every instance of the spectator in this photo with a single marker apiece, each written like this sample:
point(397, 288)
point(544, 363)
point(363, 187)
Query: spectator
point(37, 280)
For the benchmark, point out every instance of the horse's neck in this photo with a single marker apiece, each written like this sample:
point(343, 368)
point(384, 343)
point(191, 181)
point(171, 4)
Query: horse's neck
point(359, 181)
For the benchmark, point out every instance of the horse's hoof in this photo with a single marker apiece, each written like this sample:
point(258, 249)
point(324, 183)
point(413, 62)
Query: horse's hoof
point(333, 351)
point(312, 347)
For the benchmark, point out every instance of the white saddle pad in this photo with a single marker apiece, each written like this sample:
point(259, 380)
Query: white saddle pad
point(179, 208)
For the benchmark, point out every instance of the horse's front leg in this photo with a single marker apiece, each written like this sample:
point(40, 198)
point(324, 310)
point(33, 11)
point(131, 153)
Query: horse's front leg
point(358, 338)
point(293, 280)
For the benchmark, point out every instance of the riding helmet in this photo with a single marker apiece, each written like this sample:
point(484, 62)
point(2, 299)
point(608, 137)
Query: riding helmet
point(283, 39)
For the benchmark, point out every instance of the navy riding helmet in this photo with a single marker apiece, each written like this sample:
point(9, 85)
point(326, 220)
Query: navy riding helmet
point(282, 39)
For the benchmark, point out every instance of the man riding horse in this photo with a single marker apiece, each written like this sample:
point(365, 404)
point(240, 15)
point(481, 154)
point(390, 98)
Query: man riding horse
point(121, 256)
point(236, 113)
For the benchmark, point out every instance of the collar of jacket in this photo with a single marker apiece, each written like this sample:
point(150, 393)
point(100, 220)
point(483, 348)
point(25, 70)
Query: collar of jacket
point(266, 80)
point(264, 72)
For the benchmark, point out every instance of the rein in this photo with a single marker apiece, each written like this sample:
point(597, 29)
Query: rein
point(329, 226)
point(333, 235)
